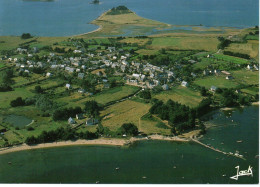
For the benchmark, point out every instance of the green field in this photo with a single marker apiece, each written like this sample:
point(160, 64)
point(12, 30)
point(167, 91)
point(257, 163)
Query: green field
point(251, 90)
point(104, 97)
point(230, 59)
point(7, 97)
point(130, 112)
point(2, 65)
point(182, 95)
point(246, 76)
point(185, 43)
point(252, 37)
point(218, 81)
point(251, 47)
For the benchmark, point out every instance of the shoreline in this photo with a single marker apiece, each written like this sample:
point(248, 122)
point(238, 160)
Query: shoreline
point(99, 141)
point(96, 30)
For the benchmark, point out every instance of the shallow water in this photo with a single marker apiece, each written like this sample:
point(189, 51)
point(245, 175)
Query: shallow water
point(157, 161)
point(72, 17)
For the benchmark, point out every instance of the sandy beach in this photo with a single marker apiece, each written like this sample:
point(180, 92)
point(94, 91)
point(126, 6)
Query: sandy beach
point(100, 141)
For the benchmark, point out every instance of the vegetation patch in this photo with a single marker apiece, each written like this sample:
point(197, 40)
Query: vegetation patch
point(182, 95)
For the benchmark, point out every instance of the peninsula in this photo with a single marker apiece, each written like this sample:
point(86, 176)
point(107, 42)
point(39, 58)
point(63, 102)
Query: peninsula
point(116, 83)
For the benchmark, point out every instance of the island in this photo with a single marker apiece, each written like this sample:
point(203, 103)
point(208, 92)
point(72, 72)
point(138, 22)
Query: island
point(118, 84)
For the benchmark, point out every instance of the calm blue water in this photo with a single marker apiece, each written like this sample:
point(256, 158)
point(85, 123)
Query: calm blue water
point(71, 17)
point(161, 162)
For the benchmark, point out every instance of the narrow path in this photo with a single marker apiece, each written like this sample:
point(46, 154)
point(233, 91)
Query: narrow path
point(214, 149)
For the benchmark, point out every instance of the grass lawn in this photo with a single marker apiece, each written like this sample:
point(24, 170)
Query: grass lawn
point(124, 112)
point(246, 76)
point(231, 59)
point(182, 95)
point(218, 81)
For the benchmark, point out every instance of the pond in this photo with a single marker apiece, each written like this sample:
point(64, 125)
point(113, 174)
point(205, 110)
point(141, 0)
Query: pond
point(17, 121)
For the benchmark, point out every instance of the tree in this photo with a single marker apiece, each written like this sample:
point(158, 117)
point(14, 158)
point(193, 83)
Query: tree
point(17, 102)
point(203, 91)
point(128, 129)
point(26, 36)
point(146, 94)
point(92, 108)
point(113, 83)
point(38, 89)
point(44, 103)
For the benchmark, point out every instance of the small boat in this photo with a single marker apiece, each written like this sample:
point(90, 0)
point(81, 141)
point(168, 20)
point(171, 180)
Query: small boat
point(174, 167)
point(97, 182)
point(144, 177)
point(224, 175)
point(222, 143)
point(239, 141)
point(117, 168)
point(9, 162)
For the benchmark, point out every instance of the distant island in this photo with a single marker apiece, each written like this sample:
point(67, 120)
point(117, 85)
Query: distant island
point(95, 2)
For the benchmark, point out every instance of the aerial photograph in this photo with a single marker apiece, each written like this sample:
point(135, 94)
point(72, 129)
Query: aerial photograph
point(129, 92)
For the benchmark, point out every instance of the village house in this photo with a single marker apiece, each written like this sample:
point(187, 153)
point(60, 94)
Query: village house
point(81, 90)
point(68, 86)
point(213, 88)
point(48, 74)
point(229, 77)
point(184, 84)
point(71, 121)
point(225, 72)
point(249, 67)
point(92, 121)
point(79, 116)
point(165, 87)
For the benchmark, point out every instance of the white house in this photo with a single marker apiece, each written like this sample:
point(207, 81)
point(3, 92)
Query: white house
point(48, 74)
point(249, 67)
point(184, 84)
point(79, 116)
point(68, 86)
point(213, 88)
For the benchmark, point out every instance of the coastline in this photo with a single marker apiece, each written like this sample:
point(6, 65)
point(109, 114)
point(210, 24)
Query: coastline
point(99, 141)
point(98, 29)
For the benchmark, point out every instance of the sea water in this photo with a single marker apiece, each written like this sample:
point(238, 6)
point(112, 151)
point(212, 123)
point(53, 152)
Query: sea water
point(72, 17)
point(147, 161)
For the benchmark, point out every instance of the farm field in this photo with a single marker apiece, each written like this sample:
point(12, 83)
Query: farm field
point(124, 112)
point(106, 96)
point(185, 43)
point(7, 97)
point(251, 90)
point(246, 76)
point(231, 59)
point(218, 81)
point(250, 48)
point(182, 95)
